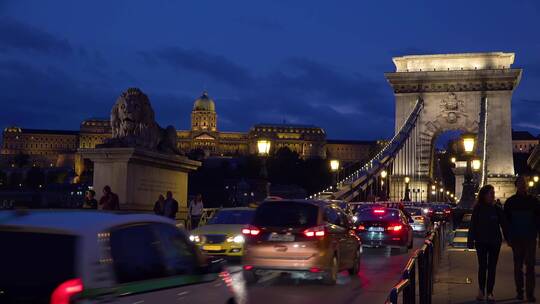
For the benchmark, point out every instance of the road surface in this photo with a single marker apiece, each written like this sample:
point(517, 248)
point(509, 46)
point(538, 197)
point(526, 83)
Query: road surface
point(380, 269)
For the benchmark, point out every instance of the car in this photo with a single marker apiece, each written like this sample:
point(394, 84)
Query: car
point(309, 238)
point(222, 234)
point(460, 237)
point(441, 212)
point(384, 227)
point(95, 257)
point(421, 222)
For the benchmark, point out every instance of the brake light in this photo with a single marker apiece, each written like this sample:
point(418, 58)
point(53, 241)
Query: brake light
point(379, 211)
point(447, 211)
point(397, 227)
point(361, 227)
point(318, 231)
point(251, 230)
point(63, 293)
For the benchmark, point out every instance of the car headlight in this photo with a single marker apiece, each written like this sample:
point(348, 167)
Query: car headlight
point(425, 210)
point(194, 238)
point(238, 239)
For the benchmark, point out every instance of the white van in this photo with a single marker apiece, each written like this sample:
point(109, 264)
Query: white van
point(103, 257)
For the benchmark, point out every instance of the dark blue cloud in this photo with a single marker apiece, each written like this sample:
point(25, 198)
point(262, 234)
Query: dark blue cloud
point(19, 36)
point(214, 66)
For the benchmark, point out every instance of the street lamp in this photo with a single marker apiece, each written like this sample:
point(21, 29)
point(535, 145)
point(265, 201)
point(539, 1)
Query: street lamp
point(263, 147)
point(407, 197)
point(476, 164)
point(384, 174)
point(467, 197)
point(334, 167)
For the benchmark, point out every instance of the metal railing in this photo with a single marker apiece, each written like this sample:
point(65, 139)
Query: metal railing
point(422, 265)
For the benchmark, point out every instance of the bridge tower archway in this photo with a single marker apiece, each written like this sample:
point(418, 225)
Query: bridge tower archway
point(469, 92)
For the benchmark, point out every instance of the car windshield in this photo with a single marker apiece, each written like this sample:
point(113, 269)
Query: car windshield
point(414, 211)
point(37, 262)
point(378, 214)
point(286, 214)
point(232, 217)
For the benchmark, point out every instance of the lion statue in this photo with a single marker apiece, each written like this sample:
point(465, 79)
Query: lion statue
point(133, 125)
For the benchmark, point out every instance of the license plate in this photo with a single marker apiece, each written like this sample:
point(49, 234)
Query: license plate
point(281, 238)
point(375, 229)
point(211, 247)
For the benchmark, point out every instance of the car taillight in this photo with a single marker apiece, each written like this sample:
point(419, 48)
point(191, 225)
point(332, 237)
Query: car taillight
point(251, 230)
point(447, 211)
point(318, 231)
point(361, 227)
point(63, 293)
point(379, 211)
point(396, 227)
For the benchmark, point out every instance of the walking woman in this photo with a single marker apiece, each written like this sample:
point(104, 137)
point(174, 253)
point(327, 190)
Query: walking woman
point(485, 235)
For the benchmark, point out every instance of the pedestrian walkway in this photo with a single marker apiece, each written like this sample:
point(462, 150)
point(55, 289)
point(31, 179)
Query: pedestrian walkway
point(456, 278)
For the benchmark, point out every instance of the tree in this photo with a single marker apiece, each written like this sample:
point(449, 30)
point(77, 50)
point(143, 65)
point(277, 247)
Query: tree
point(35, 177)
point(21, 160)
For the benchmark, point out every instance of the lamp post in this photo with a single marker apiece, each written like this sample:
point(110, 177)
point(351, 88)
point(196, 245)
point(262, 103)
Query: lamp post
point(334, 167)
point(384, 174)
point(467, 196)
point(263, 147)
point(407, 197)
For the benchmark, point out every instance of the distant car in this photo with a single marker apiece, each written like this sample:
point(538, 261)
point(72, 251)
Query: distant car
point(386, 227)
point(96, 257)
point(312, 238)
point(441, 212)
point(421, 222)
point(222, 234)
point(460, 238)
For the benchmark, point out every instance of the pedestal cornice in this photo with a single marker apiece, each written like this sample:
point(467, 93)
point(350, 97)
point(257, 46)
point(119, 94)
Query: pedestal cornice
point(454, 80)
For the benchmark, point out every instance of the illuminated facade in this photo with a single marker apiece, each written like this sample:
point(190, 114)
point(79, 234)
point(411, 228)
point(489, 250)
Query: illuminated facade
point(59, 148)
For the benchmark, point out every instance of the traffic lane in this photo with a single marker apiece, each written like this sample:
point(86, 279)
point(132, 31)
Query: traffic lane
point(380, 269)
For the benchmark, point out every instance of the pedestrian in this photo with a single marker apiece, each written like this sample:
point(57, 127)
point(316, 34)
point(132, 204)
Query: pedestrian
point(522, 211)
point(485, 235)
point(196, 210)
point(90, 201)
point(170, 206)
point(109, 200)
point(158, 206)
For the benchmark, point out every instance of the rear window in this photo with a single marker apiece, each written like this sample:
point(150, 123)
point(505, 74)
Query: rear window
point(33, 264)
point(286, 214)
point(232, 217)
point(414, 211)
point(372, 214)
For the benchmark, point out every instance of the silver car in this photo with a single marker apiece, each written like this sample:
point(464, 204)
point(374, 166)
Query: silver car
point(421, 221)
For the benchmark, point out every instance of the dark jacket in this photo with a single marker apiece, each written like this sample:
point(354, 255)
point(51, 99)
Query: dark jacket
point(486, 224)
point(523, 215)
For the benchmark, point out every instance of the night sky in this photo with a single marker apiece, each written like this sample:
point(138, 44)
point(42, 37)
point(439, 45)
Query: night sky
point(308, 62)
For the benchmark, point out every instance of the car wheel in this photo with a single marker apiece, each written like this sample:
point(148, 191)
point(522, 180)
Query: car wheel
point(250, 277)
point(330, 277)
point(356, 266)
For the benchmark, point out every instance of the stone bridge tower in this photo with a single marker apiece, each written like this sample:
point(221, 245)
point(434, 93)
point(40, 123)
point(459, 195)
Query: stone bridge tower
point(468, 92)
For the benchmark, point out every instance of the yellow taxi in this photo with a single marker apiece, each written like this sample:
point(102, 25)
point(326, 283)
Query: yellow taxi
point(222, 234)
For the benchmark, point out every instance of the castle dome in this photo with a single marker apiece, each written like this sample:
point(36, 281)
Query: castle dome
point(204, 103)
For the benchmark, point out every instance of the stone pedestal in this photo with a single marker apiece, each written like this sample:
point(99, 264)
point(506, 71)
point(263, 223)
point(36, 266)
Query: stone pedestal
point(138, 176)
point(504, 186)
